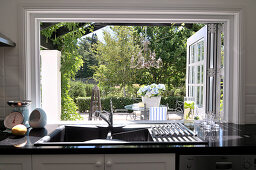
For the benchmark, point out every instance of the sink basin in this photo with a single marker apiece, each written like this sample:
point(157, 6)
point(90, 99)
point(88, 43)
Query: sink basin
point(77, 134)
point(81, 135)
point(131, 134)
point(173, 133)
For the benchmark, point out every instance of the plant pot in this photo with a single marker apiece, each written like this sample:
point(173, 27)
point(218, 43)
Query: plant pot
point(151, 101)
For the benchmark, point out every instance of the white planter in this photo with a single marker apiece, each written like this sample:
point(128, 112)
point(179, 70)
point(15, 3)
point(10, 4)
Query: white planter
point(151, 101)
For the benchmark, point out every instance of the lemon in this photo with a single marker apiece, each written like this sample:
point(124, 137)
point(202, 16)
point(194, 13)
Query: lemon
point(19, 130)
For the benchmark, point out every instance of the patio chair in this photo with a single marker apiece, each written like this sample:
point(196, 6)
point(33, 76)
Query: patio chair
point(177, 112)
point(178, 107)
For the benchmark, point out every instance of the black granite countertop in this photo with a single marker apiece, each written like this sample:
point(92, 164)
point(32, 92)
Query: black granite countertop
point(229, 139)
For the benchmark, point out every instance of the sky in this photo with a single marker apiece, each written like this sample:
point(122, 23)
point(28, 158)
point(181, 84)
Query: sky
point(99, 33)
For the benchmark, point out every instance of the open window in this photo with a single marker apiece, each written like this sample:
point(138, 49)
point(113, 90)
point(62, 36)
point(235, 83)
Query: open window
point(30, 48)
point(205, 77)
point(201, 65)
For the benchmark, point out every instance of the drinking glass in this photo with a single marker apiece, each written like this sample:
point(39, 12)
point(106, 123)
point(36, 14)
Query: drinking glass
point(210, 122)
point(189, 107)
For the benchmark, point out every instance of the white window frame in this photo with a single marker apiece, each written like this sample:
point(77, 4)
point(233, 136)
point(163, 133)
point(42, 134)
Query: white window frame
point(189, 85)
point(30, 16)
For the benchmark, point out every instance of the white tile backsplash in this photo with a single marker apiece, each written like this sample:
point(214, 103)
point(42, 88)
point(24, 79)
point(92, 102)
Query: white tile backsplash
point(2, 92)
point(11, 61)
point(11, 76)
point(250, 103)
point(2, 113)
point(1, 63)
point(8, 110)
point(2, 81)
point(250, 99)
point(11, 51)
point(12, 91)
point(1, 52)
point(7, 98)
point(2, 102)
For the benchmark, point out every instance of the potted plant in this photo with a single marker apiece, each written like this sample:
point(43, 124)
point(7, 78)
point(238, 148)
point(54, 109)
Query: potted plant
point(151, 94)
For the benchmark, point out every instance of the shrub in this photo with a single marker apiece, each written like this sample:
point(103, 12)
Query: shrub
point(77, 89)
point(83, 103)
point(88, 89)
point(171, 100)
point(180, 92)
point(68, 112)
point(118, 102)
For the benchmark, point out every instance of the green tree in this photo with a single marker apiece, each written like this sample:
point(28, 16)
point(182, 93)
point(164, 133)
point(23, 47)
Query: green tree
point(169, 43)
point(89, 56)
point(71, 62)
point(114, 57)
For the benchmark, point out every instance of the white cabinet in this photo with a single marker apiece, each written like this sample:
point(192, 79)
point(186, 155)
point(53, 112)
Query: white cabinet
point(140, 162)
point(15, 162)
point(68, 162)
point(104, 162)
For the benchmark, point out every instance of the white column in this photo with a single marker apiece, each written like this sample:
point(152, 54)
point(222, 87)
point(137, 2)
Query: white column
point(51, 84)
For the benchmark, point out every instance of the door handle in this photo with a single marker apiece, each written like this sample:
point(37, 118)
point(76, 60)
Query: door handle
point(224, 165)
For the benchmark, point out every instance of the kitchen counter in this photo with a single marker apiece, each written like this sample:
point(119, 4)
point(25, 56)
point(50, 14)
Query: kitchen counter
point(230, 139)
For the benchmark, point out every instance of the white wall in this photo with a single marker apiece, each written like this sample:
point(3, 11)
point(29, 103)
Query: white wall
point(51, 84)
point(9, 79)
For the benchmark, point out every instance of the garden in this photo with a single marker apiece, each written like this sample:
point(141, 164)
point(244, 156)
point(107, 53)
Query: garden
point(114, 63)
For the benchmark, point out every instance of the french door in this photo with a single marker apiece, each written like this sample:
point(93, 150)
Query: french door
point(204, 75)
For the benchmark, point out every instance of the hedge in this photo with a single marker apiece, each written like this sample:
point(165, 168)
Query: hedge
point(83, 103)
point(77, 89)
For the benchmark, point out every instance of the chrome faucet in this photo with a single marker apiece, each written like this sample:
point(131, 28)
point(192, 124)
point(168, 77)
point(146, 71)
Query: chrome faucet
point(102, 114)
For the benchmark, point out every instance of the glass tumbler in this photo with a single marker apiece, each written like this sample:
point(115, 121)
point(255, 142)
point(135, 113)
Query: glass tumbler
point(189, 109)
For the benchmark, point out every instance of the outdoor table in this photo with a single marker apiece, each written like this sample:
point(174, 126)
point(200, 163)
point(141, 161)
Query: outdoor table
point(138, 107)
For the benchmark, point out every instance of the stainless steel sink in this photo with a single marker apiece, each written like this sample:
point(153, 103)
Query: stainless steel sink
point(171, 133)
point(80, 135)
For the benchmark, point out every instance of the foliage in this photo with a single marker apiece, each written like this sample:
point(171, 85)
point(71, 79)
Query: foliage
point(109, 62)
point(120, 102)
point(169, 43)
point(71, 62)
point(191, 106)
point(171, 101)
point(77, 89)
point(151, 90)
point(83, 104)
point(88, 89)
point(114, 58)
point(117, 91)
point(180, 91)
point(85, 49)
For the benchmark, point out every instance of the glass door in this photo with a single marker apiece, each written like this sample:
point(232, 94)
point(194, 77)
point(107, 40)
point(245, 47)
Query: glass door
point(203, 69)
point(196, 70)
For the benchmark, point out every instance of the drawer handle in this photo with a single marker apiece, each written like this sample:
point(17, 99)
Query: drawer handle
point(98, 164)
point(224, 165)
point(108, 163)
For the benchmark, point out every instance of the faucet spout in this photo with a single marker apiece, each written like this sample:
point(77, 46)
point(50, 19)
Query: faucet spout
point(109, 119)
point(102, 114)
